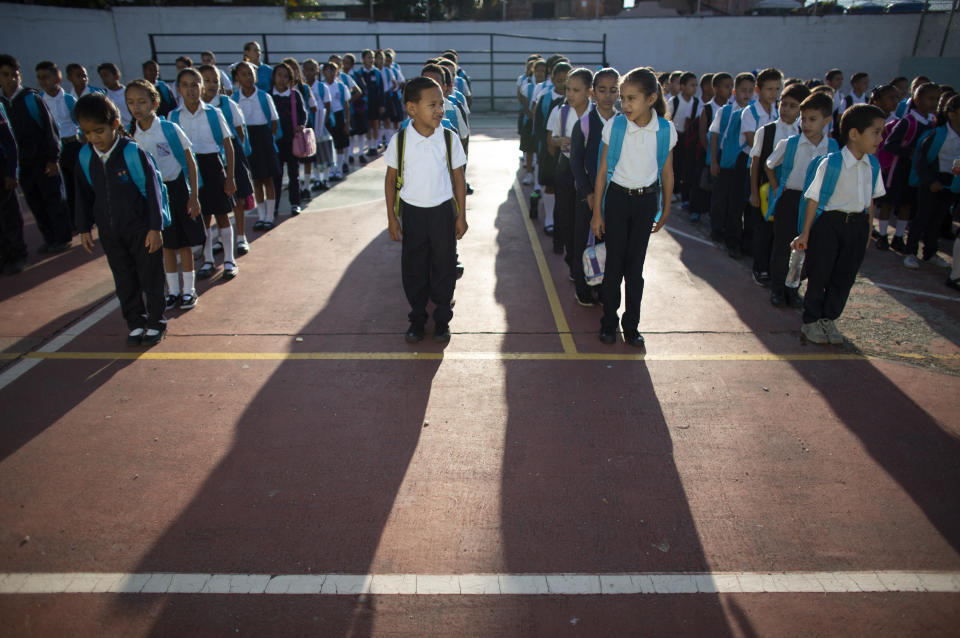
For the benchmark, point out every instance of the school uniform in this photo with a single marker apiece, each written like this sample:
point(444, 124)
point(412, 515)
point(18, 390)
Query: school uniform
point(226, 84)
point(560, 124)
point(263, 161)
point(902, 145)
point(61, 108)
point(392, 74)
point(702, 187)
point(285, 142)
point(752, 119)
point(546, 160)
point(326, 154)
point(38, 143)
point(728, 200)
point(336, 121)
point(631, 205)
point(838, 238)
point(183, 231)
point(933, 208)
point(428, 216)
point(196, 126)
point(241, 164)
point(584, 155)
point(264, 77)
point(112, 202)
point(87, 90)
point(764, 141)
point(682, 112)
point(119, 98)
point(13, 248)
point(787, 207)
point(852, 98)
point(374, 94)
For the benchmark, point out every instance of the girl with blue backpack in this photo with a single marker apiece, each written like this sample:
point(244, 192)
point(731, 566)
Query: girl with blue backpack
point(170, 148)
point(834, 220)
point(635, 184)
point(260, 114)
point(119, 191)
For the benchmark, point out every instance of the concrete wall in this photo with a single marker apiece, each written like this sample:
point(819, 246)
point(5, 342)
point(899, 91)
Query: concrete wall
point(802, 46)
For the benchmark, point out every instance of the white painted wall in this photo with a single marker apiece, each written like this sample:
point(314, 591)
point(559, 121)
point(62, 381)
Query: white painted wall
point(801, 46)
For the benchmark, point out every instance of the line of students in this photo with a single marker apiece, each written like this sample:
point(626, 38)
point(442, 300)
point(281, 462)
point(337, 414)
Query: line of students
point(742, 149)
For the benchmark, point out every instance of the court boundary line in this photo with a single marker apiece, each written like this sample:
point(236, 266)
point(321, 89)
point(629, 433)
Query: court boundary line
point(491, 584)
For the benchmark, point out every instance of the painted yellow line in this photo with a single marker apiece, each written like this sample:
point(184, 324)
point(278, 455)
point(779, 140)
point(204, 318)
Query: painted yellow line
point(437, 356)
point(566, 339)
point(9, 356)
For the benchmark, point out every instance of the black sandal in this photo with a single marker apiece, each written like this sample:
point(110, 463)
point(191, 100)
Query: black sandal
point(206, 270)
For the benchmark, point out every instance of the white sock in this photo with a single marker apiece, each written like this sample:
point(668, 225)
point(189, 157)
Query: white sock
point(173, 282)
point(226, 238)
point(882, 226)
point(189, 287)
point(262, 211)
point(208, 247)
point(536, 175)
point(548, 202)
point(271, 209)
point(901, 228)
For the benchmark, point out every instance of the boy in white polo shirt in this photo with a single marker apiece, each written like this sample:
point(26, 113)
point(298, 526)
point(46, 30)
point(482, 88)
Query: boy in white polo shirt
point(426, 207)
point(60, 104)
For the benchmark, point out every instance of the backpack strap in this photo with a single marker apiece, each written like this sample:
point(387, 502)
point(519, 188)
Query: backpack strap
point(214, 123)
point(564, 113)
point(71, 105)
point(675, 104)
point(783, 173)
point(30, 99)
point(86, 154)
point(227, 110)
point(131, 155)
point(262, 97)
point(731, 139)
point(169, 130)
point(769, 133)
point(617, 131)
point(401, 138)
point(585, 126)
point(663, 151)
point(834, 162)
point(448, 142)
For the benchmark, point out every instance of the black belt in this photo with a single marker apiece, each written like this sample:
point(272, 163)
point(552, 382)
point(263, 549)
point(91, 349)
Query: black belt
point(847, 218)
point(637, 192)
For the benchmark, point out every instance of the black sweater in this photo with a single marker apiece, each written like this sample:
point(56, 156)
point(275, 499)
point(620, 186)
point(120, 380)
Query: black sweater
point(112, 200)
point(35, 143)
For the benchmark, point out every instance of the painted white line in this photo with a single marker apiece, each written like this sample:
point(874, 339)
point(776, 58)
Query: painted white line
point(916, 292)
point(674, 231)
point(483, 584)
point(22, 367)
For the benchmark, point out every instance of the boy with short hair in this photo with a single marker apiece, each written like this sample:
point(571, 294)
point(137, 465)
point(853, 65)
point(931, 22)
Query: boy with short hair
point(859, 87)
point(794, 155)
point(13, 249)
point(721, 85)
point(252, 54)
point(836, 240)
point(682, 109)
point(78, 79)
point(728, 166)
point(38, 146)
point(426, 207)
point(110, 76)
point(674, 85)
point(60, 105)
point(834, 79)
point(168, 101)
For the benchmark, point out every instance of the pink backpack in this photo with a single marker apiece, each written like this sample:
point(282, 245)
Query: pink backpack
point(888, 161)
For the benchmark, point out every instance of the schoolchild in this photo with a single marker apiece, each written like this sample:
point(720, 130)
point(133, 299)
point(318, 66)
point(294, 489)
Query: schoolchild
point(786, 168)
point(683, 108)
point(901, 144)
point(902, 85)
point(261, 117)
point(760, 112)
point(764, 141)
point(906, 102)
point(936, 176)
point(60, 104)
point(674, 85)
point(79, 86)
point(721, 85)
point(264, 72)
point(585, 144)
point(633, 190)
point(359, 125)
point(209, 134)
point(834, 80)
point(326, 157)
point(168, 101)
point(338, 118)
point(884, 97)
point(13, 249)
point(375, 97)
point(226, 85)
point(118, 190)
point(559, 133)
point(663, 79)
point(110, 76)
point(459, 100)
point(311, 103)
point(170, 149)
point(426, 208)
point(38, 146)
point(213, 96)
point(729, 167)
point(293, 118)
point(462, 80)
point(526, 83)
point(859, 90)
point(547, 157)
point(392, 70)
point(835, 223)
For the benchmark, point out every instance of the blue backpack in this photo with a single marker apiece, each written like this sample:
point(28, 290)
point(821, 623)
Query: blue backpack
point(939, 137)
point(343, 100)
point(212, 120)
point(617, 131)
point(131, 155)
point(783, 171)
point(228, 116)
point(731, 137)
point(830, 177)
point(725, 114)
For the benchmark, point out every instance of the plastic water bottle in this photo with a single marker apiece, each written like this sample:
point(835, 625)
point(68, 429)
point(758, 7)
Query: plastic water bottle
point(796, 265)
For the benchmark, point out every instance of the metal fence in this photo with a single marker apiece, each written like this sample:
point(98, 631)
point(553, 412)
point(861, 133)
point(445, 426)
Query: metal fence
point(493, 60)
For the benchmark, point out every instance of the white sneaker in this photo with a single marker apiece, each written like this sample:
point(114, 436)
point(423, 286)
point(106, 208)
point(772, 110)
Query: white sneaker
point(834, 336)
point(911, 262)
point(528, 179)
point(814, 333)
point(939, 262)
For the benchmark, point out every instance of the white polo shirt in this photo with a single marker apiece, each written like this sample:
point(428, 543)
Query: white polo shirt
point(86, 91)
point(637, 166)
point(857, 99)
point(238, 118)
point(225, 83)
point(781, 132)
point(153, 141)
point(950, 151)
point(319, 94)
point(854, 191)
point(196, 126)
point(553, 124)
point(684, 111)
point(252, 112)
point(337, 95)
point(750, 124)
point(119, 98)
point(806, 151)
point(60, 112)
point(428, 184)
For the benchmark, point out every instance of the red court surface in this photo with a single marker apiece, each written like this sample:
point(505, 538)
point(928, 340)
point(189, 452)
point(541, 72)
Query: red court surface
point(301, 470)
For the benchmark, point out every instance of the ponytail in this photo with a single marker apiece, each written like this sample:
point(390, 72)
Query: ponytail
point(646, 81)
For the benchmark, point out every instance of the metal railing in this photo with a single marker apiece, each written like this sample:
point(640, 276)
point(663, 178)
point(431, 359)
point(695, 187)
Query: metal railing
point(493, 60)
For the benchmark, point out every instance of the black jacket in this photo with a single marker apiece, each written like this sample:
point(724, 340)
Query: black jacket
point(8, 150)
point(584, 158)
point(112, 200)
point(283, 112)
point(36, 143)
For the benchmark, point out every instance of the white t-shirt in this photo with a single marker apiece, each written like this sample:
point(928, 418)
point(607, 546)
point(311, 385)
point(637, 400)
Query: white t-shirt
point(318, 92)
point(806, 151)
point(253, 112)
point(553, 124)
point(684, 111)
point(750, 124)
point(781, 132)
point(853, 193)
point(637, 166)
point(337, 95)
point(238, 119)
point(57, 104)
point(429, 185)
point(153, 141)
point(197, 128)
point(119, 98)
point(950, 151)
